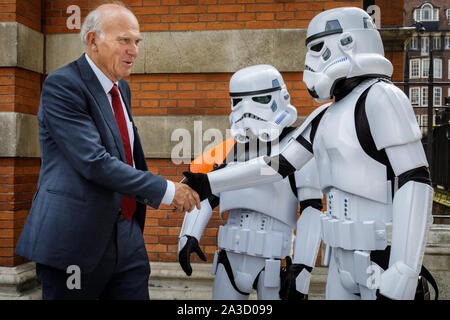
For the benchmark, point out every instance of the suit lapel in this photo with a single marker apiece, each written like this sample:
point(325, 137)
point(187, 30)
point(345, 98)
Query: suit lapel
point(138, 154)
point(99, 95)
point(125, 99)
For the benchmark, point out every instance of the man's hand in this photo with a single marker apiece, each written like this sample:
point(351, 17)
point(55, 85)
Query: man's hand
point(185, 198)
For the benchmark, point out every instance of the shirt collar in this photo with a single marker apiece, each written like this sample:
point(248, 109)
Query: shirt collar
point(106, 83)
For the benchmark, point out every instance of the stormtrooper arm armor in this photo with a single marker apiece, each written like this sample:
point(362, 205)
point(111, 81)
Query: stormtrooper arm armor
point(261, 170)
point(394, 129)
point(308, 235)
point(254, 172)
point(295, 284)
point(195, 221)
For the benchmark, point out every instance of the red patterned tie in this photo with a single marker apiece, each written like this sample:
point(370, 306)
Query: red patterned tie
point(128, 204)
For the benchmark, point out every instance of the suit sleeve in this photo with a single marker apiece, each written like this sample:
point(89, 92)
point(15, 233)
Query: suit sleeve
point(66, 115)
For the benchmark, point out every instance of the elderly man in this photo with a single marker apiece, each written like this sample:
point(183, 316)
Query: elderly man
point(88, 213)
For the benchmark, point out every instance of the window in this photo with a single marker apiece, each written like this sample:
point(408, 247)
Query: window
point(425, 45)
point(414, 96)
point(414, 68)
point(426, 13)
point(416, 14)
point(437, 96)
point(448, 16)
point(425, 68)
point(437, 68)
point(413, 43)
point(447, 43)
point(422, 122)
point(448, 63)
point(419, 96)
point(420, 119)
point(424, 96)
point(436, 43)
point(435, 14)
point(427, 10)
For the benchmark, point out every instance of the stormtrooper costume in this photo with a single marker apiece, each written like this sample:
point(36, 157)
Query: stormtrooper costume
point(261, 219)
point(371, 164)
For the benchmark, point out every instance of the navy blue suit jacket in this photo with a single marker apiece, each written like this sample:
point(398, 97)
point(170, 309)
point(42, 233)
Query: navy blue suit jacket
point(83, 174)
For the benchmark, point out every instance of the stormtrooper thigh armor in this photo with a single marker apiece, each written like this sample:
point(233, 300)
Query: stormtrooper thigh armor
point(254, 243)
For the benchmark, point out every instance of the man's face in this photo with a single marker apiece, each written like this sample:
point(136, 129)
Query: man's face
point(118, 49)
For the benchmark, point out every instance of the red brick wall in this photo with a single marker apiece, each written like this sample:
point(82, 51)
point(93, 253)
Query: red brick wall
point(18, 182)
point(19, 90)
point(397, 59)
point(26, 12)
point(182, 15)
point(392, 13)
point(200, 93)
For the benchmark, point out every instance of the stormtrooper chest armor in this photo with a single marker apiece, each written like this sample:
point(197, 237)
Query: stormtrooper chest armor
point(341, 161)
point(359, 197)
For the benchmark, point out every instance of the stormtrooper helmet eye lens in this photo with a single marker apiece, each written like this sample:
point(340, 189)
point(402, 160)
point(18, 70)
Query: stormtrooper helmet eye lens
point(262, 99)
point(317, 47)
point(235, 101)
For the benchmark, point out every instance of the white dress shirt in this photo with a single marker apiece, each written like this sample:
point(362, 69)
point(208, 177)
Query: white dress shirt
point(107, 85)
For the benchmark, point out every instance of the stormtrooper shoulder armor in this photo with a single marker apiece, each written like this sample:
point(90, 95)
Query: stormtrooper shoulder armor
point(298, 150)
point(307, 182)
point(305, 128)
point(390, 116)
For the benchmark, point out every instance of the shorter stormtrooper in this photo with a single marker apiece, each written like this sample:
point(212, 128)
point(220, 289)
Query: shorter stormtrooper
point(259, 229)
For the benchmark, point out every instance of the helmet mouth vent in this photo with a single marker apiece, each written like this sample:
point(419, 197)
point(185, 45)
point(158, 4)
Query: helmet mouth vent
point(309, 68)
point(251, 116)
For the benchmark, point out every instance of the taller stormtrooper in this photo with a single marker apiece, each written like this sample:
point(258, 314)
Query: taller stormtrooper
point(261, 219)
point(372, 166)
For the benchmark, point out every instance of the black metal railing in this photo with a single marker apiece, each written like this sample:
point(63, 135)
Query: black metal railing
point(440, 174)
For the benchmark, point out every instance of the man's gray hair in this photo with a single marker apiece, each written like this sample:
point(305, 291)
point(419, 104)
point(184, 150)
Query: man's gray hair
point(91, 23)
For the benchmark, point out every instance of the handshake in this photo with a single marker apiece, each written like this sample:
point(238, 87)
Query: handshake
point(190, 191)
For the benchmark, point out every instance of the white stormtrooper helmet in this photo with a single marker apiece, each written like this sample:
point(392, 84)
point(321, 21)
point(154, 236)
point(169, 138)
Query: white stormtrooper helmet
point(260, 104)
point(342, 43)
